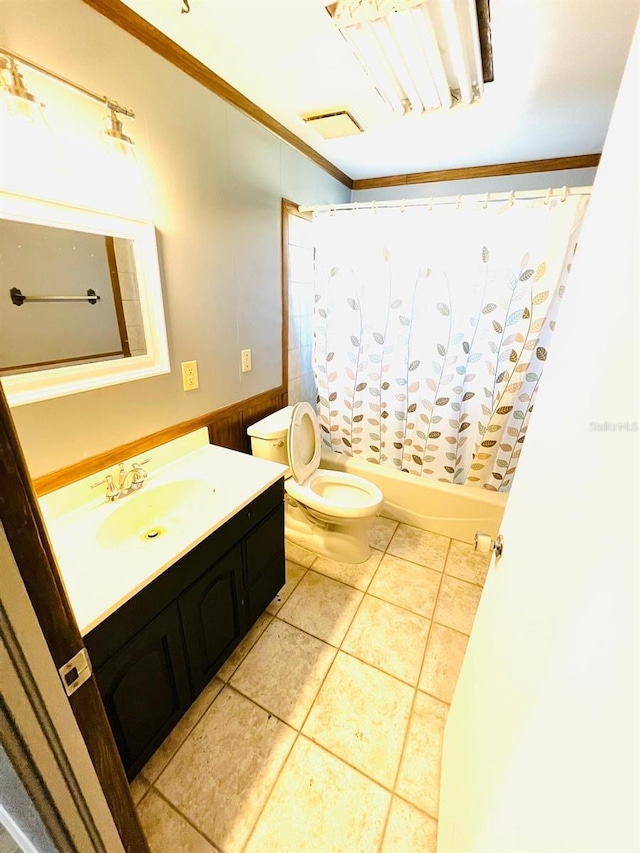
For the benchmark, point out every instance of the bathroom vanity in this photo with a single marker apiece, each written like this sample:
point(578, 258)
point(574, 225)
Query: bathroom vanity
point(160, 615)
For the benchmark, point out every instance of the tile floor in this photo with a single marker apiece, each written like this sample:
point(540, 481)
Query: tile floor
point(323, 731)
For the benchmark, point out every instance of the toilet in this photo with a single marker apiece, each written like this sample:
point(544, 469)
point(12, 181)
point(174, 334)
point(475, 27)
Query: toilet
point(328, 512)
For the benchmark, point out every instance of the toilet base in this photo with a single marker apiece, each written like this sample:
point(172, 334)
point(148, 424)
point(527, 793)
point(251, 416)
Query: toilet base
point(345, 542)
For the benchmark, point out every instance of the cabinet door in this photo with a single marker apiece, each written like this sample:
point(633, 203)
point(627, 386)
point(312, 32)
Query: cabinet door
point(145, 688)
point(213, 620)
point(265, 563)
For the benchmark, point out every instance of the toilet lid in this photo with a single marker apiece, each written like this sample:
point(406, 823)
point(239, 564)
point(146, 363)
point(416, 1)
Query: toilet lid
point(303, 442)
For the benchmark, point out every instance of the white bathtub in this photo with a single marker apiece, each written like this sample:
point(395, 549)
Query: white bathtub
point(453, 511)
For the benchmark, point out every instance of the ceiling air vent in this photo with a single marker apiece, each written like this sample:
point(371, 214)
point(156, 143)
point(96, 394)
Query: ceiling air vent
point(334, 125)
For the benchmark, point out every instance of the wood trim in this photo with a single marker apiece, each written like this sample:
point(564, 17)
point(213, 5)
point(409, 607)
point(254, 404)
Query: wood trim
point(523, 167)
point(139, 28)
point(289, 208)
point(94, 355)
point(286, 209)
point(112, 264)
point(236, 413)
point(230, 430)
point(32, 551)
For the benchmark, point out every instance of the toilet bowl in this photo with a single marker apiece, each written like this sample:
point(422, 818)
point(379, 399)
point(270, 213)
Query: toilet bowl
point(328, 512)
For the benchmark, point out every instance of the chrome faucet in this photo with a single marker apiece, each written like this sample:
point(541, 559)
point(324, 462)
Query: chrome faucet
point(128, 481)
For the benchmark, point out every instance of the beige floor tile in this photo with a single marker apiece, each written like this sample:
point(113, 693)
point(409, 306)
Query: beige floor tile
point(322, 607)
point(353, 574)
point(464, 563)
point(419, 546)
point(139, 788)
point(161, 757)
point(388, 637)
point(381, 532)
point(419, 779)
point(320, 805)
point(445, 653)
point(165, 829)
point(284, 670)
point(222, 774)
point(297, 554)
point(242, 650)
point(294, 574)
point(409, 830)
point(361, 715)
point(406, 584)
point(457, 604)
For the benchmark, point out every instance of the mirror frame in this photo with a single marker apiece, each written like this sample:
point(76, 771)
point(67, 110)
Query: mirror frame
point(22, 389)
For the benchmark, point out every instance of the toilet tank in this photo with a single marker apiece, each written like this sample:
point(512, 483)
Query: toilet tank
point(269, 436)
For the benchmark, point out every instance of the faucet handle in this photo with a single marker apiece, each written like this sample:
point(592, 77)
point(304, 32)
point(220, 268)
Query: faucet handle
point(112, 491)
point(139, 474)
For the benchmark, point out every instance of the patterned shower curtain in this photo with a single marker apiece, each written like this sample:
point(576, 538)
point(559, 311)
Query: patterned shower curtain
point(432, 327)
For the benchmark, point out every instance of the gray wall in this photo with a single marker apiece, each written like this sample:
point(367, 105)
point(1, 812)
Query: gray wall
point(214, 180)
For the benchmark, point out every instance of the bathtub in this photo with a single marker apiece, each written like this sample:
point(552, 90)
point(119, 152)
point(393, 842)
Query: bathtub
point(453, 511)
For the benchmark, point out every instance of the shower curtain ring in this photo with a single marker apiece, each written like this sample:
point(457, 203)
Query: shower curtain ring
point(374, 206)
point(512, 198)
point(402, 206)
point(430, 205)
point(564, 194)
point(548, 196)
point(486, 201)
point(458, 202)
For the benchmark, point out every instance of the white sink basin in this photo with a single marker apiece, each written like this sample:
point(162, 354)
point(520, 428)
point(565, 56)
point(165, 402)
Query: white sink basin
point(151, 514)
point(107, 552)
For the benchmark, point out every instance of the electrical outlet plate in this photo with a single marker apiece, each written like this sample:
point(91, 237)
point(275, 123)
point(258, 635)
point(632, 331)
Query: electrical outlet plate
point(246, 360)
point(190, 375)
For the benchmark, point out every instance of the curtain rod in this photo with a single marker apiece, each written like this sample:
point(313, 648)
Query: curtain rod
point(485, 198)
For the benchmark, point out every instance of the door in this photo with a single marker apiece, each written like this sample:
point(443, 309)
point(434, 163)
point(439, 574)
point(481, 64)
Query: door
point(540, 750)
point(50, 797)
point(29, 552)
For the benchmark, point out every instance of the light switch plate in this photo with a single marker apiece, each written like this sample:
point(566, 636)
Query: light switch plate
point(246, 360)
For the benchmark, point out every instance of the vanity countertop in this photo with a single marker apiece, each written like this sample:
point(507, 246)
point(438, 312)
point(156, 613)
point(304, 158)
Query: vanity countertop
point(103, 551)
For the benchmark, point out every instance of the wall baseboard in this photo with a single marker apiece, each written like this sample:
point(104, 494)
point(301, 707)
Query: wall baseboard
point(227, 428)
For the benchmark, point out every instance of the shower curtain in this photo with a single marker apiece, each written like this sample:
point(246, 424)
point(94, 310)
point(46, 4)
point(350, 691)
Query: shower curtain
point(432, 326)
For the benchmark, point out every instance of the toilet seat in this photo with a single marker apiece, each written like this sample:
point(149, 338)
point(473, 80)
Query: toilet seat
point(334, 493)
point(303, 442)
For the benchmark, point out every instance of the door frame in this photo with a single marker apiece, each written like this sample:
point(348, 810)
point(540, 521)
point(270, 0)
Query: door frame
point(29, 543)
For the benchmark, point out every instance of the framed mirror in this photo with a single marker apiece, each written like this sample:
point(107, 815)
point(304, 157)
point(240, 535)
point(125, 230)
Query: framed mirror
point(80, 300)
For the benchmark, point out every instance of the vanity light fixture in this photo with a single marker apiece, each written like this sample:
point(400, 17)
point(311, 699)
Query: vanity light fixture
point(12, 86)
point(113, 129)
point(14, 92)
point(420, 54)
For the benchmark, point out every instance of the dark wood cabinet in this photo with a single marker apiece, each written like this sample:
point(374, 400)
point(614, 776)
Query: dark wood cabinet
point(213, 617)
point(157, 652)
point(145, 688)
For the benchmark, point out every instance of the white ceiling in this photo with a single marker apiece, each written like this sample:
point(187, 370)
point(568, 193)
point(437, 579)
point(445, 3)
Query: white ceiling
point(557, 65)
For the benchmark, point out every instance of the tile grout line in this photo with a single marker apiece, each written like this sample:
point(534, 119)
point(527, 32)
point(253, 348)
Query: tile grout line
point(391, 790)
point(187, 820)
point(299, 733)
point(413, 705)
point(153, 780)
point(297, 736)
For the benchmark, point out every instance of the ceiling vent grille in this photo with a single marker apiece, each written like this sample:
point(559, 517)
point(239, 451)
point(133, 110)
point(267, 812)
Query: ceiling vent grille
point(334, 125)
